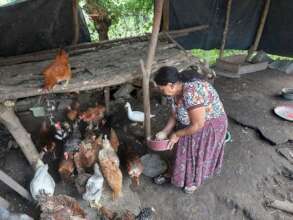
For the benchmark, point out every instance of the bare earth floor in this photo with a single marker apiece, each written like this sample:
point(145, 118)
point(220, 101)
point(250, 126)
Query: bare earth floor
point(252, 171)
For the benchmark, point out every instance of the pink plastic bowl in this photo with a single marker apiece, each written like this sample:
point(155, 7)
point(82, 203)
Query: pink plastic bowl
point(158, 145)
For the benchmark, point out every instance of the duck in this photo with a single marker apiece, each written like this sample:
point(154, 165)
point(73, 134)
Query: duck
point(135, 116)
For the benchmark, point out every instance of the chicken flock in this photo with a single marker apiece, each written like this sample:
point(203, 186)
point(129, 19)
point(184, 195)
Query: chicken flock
point(87, 151)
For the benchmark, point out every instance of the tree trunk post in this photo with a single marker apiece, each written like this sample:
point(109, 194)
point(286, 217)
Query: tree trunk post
point(264, 16)
point(226, 28)
point(21, 136)
point(149, 62)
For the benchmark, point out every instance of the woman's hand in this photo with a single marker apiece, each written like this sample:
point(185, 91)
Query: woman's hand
point(172, 141)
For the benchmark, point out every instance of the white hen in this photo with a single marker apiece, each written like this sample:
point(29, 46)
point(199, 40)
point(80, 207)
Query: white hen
point(94, 187)
point(42, 183)
point(135, 116)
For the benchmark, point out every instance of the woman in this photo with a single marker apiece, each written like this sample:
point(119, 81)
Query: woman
point(201, 126)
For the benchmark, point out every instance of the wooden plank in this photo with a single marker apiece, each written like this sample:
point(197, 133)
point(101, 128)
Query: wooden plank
point(15, 186)
point(92, 46)
point(93, 70)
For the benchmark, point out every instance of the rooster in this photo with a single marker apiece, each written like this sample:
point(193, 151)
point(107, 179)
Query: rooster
point(59, 70)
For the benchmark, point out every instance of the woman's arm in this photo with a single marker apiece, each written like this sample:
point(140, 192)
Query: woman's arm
point(197, 120)
point(170, 124)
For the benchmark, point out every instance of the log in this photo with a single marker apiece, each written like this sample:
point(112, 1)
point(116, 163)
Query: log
point(281, 205)
point(225, 32)
point(15, 186)
point(259, 31)
point(21, 136)
point(149, 63)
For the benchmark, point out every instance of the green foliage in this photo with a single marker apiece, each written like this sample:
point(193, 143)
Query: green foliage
point(128, 17)
point(212, 55)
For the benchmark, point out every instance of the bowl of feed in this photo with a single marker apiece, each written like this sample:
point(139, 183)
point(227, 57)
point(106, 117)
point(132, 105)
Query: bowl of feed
point(158, 145)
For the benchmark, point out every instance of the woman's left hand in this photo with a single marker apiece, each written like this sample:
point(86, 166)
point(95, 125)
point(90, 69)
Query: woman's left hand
point(172, 141)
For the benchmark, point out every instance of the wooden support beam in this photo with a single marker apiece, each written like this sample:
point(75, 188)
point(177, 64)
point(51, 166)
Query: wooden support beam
point(226, 28)
point(75, 19)
point(149, 63)
point(264, 16)
point(15, 186)
point(21, 136)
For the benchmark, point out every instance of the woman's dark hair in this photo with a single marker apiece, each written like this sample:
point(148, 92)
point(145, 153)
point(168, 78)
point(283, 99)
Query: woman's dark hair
point(169, 74)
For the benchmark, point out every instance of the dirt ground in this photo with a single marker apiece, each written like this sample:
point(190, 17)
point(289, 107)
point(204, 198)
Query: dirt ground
point(252, 172)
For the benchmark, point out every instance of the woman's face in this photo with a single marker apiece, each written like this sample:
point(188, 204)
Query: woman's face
point(169, 90)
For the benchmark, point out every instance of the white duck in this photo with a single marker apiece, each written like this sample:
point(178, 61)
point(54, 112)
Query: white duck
point(135, 116)
point(42, 183)
point(94, 187)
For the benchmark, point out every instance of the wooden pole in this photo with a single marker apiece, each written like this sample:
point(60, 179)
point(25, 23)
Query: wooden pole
point(15, 186)
point(75, 21)
point(165, 20)
point(225, 32)
point(21, 136)
point(149, 62)
point(259, 31)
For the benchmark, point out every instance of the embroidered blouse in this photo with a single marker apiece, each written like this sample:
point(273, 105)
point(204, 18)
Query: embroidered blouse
point(197, 94)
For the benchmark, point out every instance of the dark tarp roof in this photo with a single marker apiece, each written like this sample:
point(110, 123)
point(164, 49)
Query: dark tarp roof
point(245, 15)
point(37, 25)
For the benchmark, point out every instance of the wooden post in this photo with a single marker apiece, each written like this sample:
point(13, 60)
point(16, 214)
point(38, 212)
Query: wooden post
point(15, 186)
point(75, 21)
point(165, 20)
point(225, 32)
point(149, 62)
point(21, 136)
point(259, 31)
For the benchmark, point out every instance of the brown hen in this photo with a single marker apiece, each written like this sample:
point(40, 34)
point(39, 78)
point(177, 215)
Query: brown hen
point(59, 70)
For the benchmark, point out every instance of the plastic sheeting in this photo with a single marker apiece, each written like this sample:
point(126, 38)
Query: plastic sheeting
point(244, 21)
point(38, 25)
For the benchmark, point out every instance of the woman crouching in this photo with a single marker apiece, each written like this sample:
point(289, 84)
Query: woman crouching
point(200, 124)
